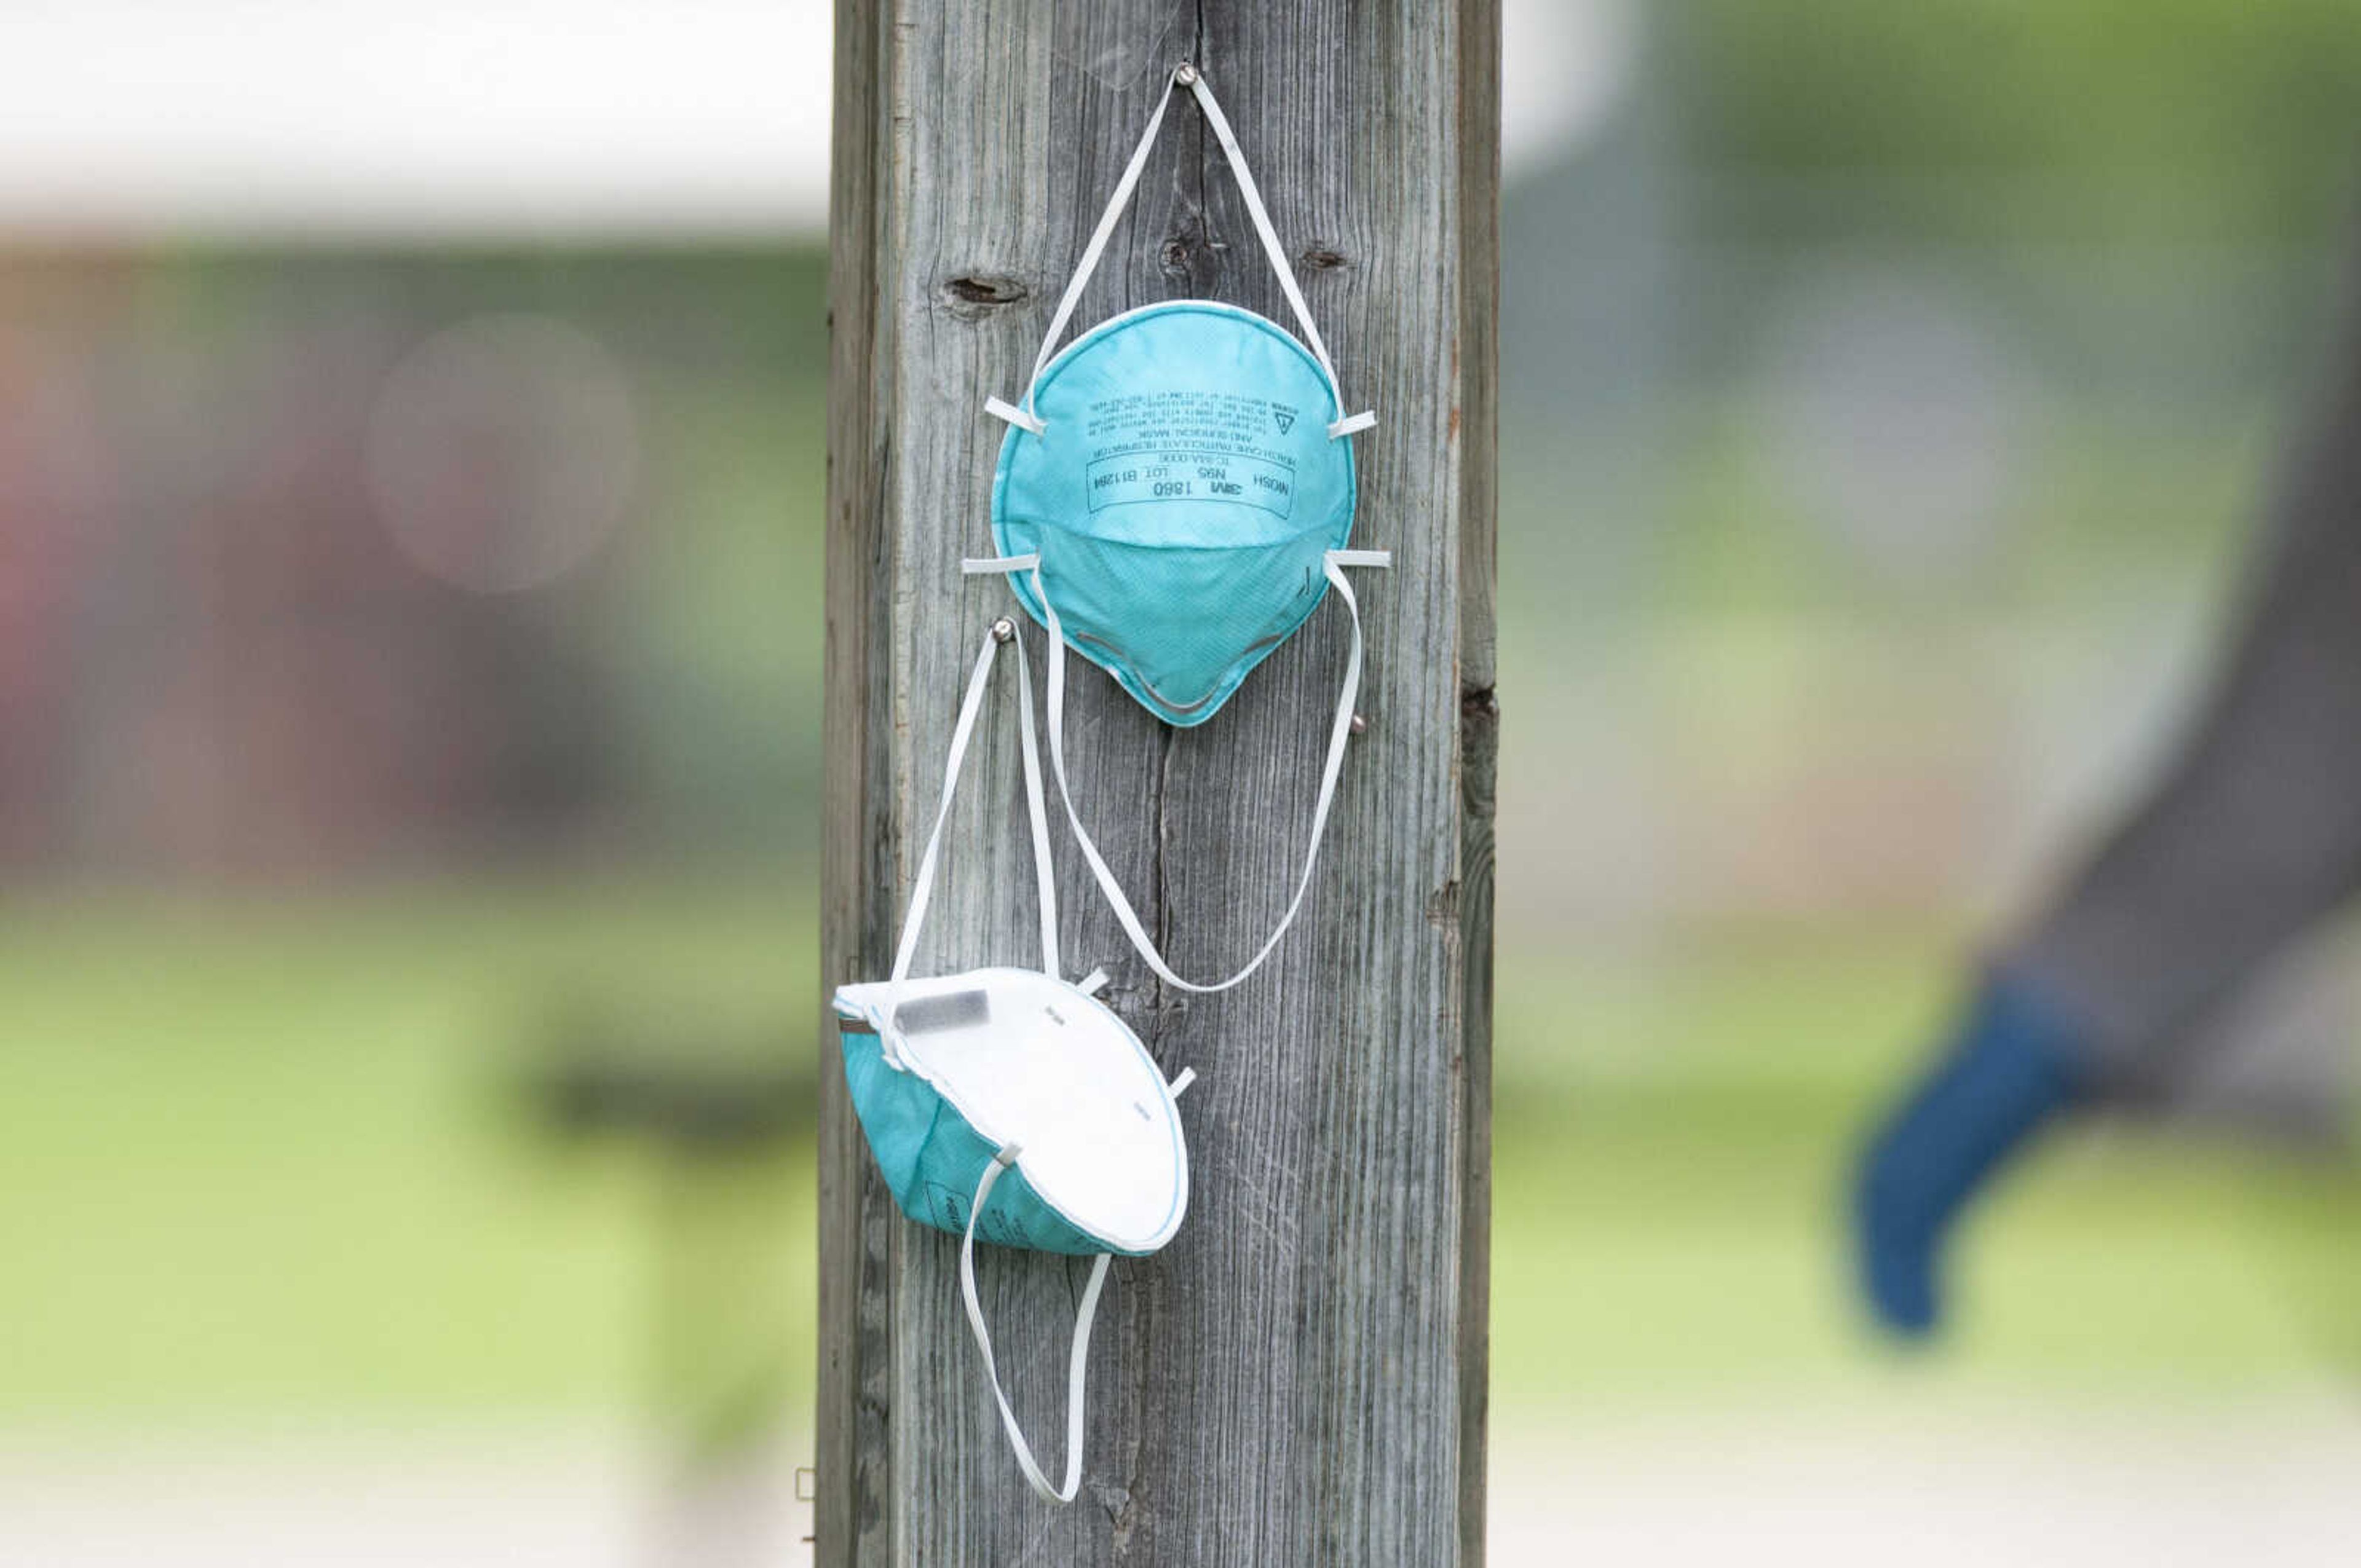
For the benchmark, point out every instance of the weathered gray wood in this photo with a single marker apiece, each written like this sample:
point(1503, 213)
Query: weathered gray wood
point(1300, 1377)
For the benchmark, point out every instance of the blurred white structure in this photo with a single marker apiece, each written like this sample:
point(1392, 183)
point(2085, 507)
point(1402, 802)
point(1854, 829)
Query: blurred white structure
point(438, 118)
point(509, 118)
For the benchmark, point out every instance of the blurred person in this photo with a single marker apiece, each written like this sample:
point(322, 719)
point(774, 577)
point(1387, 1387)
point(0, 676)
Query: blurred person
point(2247, 839)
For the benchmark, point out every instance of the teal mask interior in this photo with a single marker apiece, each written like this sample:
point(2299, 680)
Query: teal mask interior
point(1174, 498)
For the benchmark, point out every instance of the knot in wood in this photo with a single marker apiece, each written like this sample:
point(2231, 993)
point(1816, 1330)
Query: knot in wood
point(973, 293)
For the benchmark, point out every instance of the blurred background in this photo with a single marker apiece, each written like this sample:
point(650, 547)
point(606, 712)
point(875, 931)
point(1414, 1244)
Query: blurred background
point(410, 474)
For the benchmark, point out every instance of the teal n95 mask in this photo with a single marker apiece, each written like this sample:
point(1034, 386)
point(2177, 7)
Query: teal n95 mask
point(1174, 498)
point(1012, 1105)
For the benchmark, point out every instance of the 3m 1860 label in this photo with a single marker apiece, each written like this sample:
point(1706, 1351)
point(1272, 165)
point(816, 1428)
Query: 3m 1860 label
point(1204, 446)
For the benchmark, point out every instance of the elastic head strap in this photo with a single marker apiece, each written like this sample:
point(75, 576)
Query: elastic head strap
point(922, 891)
point(1024, 415)
point(1096, 247)
point(1339, 731)
point(1279, 262)
point(1077, 1359)
point(1037, 812)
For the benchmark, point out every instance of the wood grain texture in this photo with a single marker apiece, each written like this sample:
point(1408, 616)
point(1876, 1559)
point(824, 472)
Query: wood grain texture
point(1299, 1377)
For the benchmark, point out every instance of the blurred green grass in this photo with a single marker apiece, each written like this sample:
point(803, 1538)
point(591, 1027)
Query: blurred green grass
point(1670, 1166)
point(273, 1159)
point(280, 1157)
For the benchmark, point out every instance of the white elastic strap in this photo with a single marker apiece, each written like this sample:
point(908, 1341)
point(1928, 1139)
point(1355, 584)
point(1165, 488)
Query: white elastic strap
point(991, 565)
point(922, 891)
point(1019, 417)
point(1260, 216)
point(924, 888)
point(1078, 1359)
point(1091, 254)
point(1045, 880)
point(977, 566)
point(1339, 731)
point(1270, 246)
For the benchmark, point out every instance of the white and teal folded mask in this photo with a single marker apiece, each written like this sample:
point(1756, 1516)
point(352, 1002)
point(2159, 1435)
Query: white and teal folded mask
point(1014, 1108)
point(1011, 1106)
point(1175, 497)
point(948, 1074)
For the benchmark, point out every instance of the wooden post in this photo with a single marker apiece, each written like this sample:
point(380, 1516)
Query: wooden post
point(1300, 1377)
